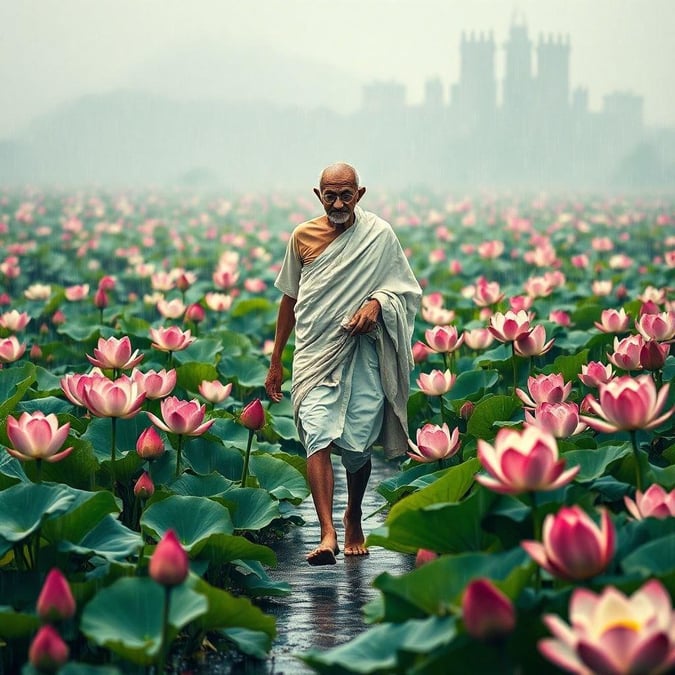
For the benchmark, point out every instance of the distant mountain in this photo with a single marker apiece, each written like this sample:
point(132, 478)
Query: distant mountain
point(246, 73)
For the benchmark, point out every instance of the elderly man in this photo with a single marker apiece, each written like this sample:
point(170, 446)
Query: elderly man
point(349, 293)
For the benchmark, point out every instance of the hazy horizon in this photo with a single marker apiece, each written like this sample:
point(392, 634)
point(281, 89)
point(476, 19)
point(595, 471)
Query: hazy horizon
point(53, 53)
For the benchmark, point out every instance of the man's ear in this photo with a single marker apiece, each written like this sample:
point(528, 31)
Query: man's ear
point(318, 194)
point(360, 193)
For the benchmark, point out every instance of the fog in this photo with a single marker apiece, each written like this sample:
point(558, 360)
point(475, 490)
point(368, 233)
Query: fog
point(222, 93)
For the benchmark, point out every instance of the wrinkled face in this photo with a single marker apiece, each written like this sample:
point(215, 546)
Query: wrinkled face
point(339, 195)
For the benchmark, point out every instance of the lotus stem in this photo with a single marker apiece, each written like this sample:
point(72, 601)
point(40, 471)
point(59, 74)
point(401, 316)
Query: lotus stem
point(536, 533)
point(164, 647)
point(639, 482)
point(443, 411)
point(244, 472)
point(38, 470)
point(113, 441)
point(179, 454)
point(514, 358)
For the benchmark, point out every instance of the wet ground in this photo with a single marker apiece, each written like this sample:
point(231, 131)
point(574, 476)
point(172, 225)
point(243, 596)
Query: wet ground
point(324, 608)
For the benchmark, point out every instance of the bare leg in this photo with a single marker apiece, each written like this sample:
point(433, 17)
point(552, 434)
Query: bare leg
point(320, 477)
point(356, 488)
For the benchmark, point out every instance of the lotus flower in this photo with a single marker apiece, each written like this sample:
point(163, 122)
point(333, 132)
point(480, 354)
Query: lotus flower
point(545, 389)
point(115, 353)
point(37, 436)
point(181, 417)
point(195, 313)
point(47, 652)
point(74, 384)
point(77, 292)
point(171, 339)
point(559, 419)
point(487, 293)
point(155, 384)
point(436, 383)
point(534, 343)
point(149, 444)
point(659, 327)
point(628, 403)
point(11, 349)
point(614, 633)
point(653, 355)
point(113, 398)
point(144, 487)
point(434, 443)
point(613, 321)
point(214, 391)
point(654, 502)
point(420, 352)
point(443, 339)
point(478, 338)
point(627, 352)
point(594, 373)
point(171, 309)
point(523, 461)
point(509, 326)
point(55, 601)
point(14, 321)
point(169, 564)
point(218, 302)
point(574, 547)
point(486, 611)
point(253, 415)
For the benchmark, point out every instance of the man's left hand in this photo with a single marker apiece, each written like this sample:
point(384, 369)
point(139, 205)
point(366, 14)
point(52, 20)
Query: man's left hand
point(365, 320)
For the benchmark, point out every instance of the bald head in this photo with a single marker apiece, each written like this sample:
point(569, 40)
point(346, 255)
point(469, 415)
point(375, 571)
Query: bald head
point(341, 172)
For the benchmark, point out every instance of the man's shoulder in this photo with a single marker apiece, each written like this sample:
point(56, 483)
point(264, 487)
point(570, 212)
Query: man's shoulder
point(318, 224)
point(375, 222)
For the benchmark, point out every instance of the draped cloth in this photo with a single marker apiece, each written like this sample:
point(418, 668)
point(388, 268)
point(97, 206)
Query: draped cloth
point(364, 262)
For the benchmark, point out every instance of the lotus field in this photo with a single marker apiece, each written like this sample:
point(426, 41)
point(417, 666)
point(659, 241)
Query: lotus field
point(143, 474)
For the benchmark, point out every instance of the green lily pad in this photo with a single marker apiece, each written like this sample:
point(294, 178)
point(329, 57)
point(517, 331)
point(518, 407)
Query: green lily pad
point(109, 539)
point(278, 477)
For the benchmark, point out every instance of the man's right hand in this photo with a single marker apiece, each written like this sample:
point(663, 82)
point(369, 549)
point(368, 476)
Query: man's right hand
point(273, 381)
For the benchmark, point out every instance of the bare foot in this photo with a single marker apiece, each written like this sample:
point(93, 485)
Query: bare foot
point(355, 541)
point(325, 552)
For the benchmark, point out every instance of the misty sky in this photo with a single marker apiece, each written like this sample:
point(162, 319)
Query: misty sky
point(53, 51)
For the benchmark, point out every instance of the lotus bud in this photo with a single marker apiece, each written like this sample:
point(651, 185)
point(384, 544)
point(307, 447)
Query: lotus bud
point(253, 415)
point(48, 652)
point(424, 556)
point(144, 487)
point(653, 355)
point(169, 564)
point(420, 352)
point(101, 299)
point(467, 410)
point(486, 611)
point(150, 444)
point(55, 601)
point(195, 313)
point(58, 318)
point(35, 353)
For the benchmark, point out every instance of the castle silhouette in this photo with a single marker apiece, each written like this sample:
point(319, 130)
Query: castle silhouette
point(530, 128)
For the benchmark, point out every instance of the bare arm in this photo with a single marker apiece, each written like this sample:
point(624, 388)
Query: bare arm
point(285, 325)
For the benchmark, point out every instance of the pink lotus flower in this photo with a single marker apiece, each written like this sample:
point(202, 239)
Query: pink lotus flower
point(478, 338)
point(115, 353)
point(218, 302)
point(534, 343)
point(171, 309)
point(509, 326)
point(74, 384)
point(601, 288)
point(613, 321)
point(169, 564)
point(77, 292)
point(523, 461)
point(538, 287)
point(162, 281)
point(171, 339)
point(149, 444)
point(155, 384)
point(559, 419)
point(214, 391)
point(520, 303)
point(37, 436)
point(628, 403)
point(652, 294)
point(614, 633)
point(545, 389)
point(654, 502)
point(14, 321)
point(253, 415)
point(55, 601)
point(627, 352)
point(443, 339)
point(574, 547)
point(424, 556)
point(195, 313)
point(486, 611)
point(107, 283)
point(181, 417)
point(487, 293)
point(47, 652)
point(11, 349)
point(653, 355)
point(434, 443)
point(659, 327)
point(225, 277)
point(436, 383)
point(438, 316)
point(113, 398)
point(144, 487)
point(560, 317)
point(101, 300)
point(491, 249)
point(420, 352)
point(184, 280)
point(594, 373)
